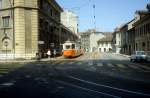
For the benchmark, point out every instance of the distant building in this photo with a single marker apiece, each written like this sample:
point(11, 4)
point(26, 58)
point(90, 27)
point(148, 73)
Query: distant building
point(85, 41)
point(70, 20)
point(94, 37)
point(90, 38)
point(105, 44)
point(117, 40)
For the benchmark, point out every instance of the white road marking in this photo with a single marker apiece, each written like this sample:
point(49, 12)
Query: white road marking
point(8, 84)
point(79, 63)
point(133, 66)
point(100, 64)
point(61, 63)
point(70, 63)
point(90, 63)
point(4, 72)
point(145, 67)
point(121, 65)
point(76, 86)
point(110, 65)
point(119, 89)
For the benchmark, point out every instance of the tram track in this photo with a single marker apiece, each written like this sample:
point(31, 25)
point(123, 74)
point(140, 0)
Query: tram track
point(105, 90)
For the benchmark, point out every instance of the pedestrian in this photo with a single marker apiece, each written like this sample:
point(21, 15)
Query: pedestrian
point(49, 53)
point(54, 52)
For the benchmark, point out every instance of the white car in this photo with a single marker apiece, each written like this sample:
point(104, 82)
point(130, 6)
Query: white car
point(138, 56)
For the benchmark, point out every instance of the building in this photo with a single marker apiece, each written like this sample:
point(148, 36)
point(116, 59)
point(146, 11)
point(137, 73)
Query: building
point(117, 40)
point(142, 30)
point(131, 35)
point(134, 35)
point(105, 44)
point(90, 38)
point(94, 37)
point(70, 20)
point(29, 27)
point(85, 41)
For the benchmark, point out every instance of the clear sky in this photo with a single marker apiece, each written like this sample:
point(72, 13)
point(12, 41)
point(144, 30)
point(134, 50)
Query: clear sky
point(109, 13)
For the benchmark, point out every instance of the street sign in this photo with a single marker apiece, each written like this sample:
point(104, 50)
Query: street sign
point(40, 42)
point(52, 44)
point(6, 43)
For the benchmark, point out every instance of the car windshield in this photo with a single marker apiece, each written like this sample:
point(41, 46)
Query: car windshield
point(140, 53)
point(74, 48)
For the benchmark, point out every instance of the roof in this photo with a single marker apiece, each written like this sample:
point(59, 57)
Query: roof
point(108, 37)
point(55, 5)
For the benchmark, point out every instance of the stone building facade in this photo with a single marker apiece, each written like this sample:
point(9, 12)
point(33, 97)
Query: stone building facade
point(90, 38)
point(142, 31)
point(135, 35)
point(30, 27)
point(117, 40)
point(85, 41)
point(105, 44)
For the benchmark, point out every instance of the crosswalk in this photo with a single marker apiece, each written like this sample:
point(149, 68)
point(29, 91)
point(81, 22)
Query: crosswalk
point(7, 68)
point(104, 65)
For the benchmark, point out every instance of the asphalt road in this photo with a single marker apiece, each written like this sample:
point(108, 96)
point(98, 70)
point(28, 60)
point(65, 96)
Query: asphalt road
point(106, 75)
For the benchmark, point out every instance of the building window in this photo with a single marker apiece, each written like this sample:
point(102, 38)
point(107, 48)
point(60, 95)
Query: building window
point(6, 21)
point(51, 12)
point(136, 46)
point(99, 49)
point(41, 4)
point(148, 46)
point(143, 46)
point(0, 4)
point(41, 23)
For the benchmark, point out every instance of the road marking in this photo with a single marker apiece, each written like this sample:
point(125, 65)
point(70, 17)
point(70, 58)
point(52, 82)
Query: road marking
point(4, 69)
point(145, 67)
point(90, 63)
point(61, 63)
point(76, 86)
point(79, 63)
point(110, 65)
point(4, 72)
point(121, 65)
point(55, 62)
point(100, 64)
point(133, 66)
point(110, 87)
point(70, 63)
point(142, 67)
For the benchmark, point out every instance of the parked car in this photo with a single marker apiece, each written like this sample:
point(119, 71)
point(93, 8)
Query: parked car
point(139, 56)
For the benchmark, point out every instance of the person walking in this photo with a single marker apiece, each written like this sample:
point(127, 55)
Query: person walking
point(49, 53)
point(54, 53)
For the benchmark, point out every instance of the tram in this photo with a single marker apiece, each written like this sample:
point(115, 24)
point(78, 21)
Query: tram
point(72, 49)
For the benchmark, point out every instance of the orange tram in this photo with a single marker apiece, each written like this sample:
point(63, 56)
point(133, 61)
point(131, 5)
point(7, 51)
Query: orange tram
point(72, 49)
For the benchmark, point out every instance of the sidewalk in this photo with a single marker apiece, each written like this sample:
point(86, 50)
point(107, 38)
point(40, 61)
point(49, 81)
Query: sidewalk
point(128, 56)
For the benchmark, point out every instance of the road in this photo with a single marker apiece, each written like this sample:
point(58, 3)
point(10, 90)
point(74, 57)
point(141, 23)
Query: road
point(96, 75)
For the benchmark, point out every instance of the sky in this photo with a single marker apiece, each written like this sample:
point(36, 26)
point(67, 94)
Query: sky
point(109, 14)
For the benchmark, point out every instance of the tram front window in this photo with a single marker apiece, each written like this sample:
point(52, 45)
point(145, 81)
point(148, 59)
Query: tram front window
point(68, 46)
point(73, 46)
